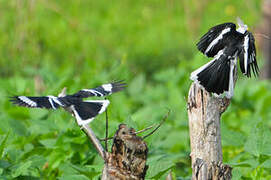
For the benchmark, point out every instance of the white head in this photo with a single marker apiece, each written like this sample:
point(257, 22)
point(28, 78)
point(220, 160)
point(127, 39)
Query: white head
point(242, 27)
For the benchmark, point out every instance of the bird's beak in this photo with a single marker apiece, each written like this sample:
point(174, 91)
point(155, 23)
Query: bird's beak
point(63, 92)
point(240, 22)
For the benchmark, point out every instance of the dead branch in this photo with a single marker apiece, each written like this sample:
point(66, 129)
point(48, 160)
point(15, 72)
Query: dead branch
point(164, 119)
point(143, 130)
point(87, 130)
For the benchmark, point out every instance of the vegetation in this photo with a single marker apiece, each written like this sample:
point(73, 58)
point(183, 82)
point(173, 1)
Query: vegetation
point(47, 45)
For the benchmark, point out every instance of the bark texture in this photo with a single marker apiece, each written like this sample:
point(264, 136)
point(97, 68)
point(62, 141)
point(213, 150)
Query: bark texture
point(127, 160)
point(204, 111)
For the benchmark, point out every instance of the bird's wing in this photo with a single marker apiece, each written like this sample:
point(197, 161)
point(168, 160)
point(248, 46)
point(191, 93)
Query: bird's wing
point(86, 111)
point(247, 56)
point(49, 102)
point(214, 40)
point(103, 90)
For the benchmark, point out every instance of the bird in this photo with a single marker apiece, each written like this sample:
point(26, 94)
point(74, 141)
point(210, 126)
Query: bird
point(224, 43)
point(83, 111)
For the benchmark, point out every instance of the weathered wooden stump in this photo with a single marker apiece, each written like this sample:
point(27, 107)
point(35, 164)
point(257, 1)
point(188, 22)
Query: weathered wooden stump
point(204, 112)
point(128, 157)
point(127, 160)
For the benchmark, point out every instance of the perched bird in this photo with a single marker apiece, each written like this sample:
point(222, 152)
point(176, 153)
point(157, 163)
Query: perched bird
point(225, 43)
point(84, 111)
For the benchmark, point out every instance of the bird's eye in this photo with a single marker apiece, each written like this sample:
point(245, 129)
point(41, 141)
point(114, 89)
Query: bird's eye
point(123, 132)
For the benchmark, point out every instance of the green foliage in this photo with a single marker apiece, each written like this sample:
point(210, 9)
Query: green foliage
point(47, 45)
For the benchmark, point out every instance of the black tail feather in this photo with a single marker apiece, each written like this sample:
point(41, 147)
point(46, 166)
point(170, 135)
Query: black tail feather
point(87, 110)
point(118, 85)
point(215, 77)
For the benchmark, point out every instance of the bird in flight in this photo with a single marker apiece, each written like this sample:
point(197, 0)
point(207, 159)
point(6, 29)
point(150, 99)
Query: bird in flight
point(224, 43)
point(84, 111)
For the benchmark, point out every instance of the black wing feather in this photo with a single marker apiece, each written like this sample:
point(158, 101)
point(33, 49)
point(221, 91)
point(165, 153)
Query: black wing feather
point(211, 35)
point(87, 110)
point(215, 77)
point(251, 56)
point(34, 102)
point(101, 90)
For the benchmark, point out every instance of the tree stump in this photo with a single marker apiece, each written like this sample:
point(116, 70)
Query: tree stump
point(127, 160)
point(204, 111)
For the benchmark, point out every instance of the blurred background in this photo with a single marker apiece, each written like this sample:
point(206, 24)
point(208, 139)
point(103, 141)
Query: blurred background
point(46, 45)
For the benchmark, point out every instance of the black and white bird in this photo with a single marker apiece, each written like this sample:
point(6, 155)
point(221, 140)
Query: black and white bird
point(84, 111)
point(225, 44)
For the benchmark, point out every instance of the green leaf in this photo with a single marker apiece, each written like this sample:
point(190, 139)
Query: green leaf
point(18, 127)
point(37, 161)
point(4, 164)
point(253, 163)
point(89, 170)
point(14, 154)
point(259, 141)
point(231, 138)
point(158, 166)
point(236, 174)
point(3, 145)
point(73, 177)
point(48, 143)
point(20, 169)
point(266, 164)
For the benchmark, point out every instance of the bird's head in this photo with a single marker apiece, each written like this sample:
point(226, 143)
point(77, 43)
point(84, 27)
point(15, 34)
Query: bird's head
point(242, 27)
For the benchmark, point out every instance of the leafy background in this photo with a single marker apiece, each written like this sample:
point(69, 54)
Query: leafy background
point(47, 45)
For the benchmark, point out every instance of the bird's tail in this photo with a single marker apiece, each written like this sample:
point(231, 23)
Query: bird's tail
point(86, 111)
point(217, 75)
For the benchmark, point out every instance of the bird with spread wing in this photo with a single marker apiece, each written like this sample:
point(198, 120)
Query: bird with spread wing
point(224, 43)
point(84, 111)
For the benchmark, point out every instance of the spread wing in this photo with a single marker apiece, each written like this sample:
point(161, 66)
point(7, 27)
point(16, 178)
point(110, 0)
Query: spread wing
point(247, 56)
point(215, 39)
point(49, 102)
point(86, 111)
point(103, 90)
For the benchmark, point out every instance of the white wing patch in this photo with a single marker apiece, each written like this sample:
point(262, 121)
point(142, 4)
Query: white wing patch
point(215, 41)
point(194, 74)
point(79, 120)
point(96, 93)
point(28, 101)
point(230, 92)
point(51, 102)
point(246, 52)
point(53, 99)
point(107, 87)
point(105, 103)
